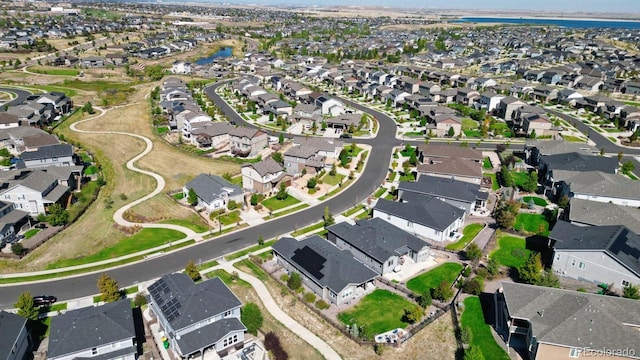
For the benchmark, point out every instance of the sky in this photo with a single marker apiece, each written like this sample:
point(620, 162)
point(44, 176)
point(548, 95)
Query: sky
point(615, 6)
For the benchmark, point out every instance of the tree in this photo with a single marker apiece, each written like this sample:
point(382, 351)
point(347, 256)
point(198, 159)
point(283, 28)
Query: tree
point(413, 315)
point(506, 177)
point(260, 240)
point(251, 317)
point(4, 152)
point(312, 182)
point(58, 216)
point(328, 217)
point(533, 134)
point(108, 287)
point(192, 197)
point(295, 281)
point(333, 170)
point(473, 353)
point(344, 157)
point(154, 72)
point(281, 139)
point(563, 203)
point(442, 292)
point(88, 108)
point(493, 266)
point(506, 214)
point(628, 167)
point(631, 291)
point(473, 252)
point(17, 248)
point(601, 151)
point(26, 306)
point(530, 271)
point(424, 300)
point(413, 159)
point(465, 334)
point(531, 184)
point(620, 155)
point(282, 192)
point(548, 279)
point(192, 271)
point(139, 300)
point(473, 286)
point(451, 132)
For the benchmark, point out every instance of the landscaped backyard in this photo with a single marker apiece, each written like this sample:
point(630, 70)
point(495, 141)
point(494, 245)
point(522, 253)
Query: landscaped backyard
point(494, 180)
point(473, 319)
point(431, 279)
point(511, 251)
point(274, 204)
point(469, 233)
point(536, 200)
point(532, 223)
point(378, 312)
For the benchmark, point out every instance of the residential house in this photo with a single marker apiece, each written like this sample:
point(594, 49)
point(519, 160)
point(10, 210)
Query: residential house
point(310, 155)
point(573, 162)
point(596, 186)
point(466, 96)
point(264, 176)
point(32, 191)
point(62, 104)
point(197, 317)
point(247, 142)
point(189, 120)
point(489, 101)
point(211, 135)
point(15, 342)
point(606, 254)
point(508, 106)
point(459, 163)
point(329, 106)
point(557, 324)
point(8, 121)
point(92, 62)
point(378, 244)
point(11, 220)
point(51, 155)
point(333, 274)
point(117, 59)
point(213, 192)
point(181, 67)
point(445, 125)
point(95, 332)
point(460, 194)
point(569, 96)
point(535, 149)
point(422, 215)
point(588, 213)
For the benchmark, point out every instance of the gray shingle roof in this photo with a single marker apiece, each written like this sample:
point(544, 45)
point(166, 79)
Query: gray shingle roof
point(616, 240)
point(208, 335)
point(599, 183)
point(579, 162)
point(377, 238)
point(575, 319)
point(208, 187)
point(599, 213)
point(91, 327)
point(553, 147)
point(323, 262)
point(450, 151)
point(48, 152)
point(266, 166)
point(445, 188)
point(452, 166)
point(195, 302)
point(422, 209)
point(11, 325)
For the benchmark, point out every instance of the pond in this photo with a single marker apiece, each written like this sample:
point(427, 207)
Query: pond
point(225, 52)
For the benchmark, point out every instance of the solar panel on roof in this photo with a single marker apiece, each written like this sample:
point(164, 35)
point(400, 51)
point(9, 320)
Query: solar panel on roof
point(310, 260)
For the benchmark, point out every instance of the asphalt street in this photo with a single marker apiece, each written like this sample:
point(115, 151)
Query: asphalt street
point(21, 95)
point(85, 284)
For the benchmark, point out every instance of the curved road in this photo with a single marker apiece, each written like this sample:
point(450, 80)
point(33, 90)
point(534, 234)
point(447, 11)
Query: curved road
point(126, 275)
point(21, 95)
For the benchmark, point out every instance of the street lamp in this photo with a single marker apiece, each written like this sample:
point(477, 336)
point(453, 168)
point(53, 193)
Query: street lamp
point(219, 223)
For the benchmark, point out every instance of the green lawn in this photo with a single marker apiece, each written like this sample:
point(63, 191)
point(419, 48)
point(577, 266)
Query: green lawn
point(274, 204)
point(571, 138)
point(353, 210)
point(207, 264)
point(31, 232)
point(473, 318)
point(144, 239)
point(58, 72)
point(532, 223)
point(378, 312)
point(469, 233)
point(226, 278)
point(472, 133)
point(229, 218)
point(536, 200)
point(494, 180)
point(162, 130)
point(511, 251)
point(309, 228)
point(379, 192)
point(468, 124)
point(332, 180)
point(196, 225)
point(486, 164)
point(246, 251)
point(90, 170)
point(255, 269)
point(448, 271)
point(520, 178)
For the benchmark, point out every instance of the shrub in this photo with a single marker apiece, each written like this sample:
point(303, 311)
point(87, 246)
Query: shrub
point(273, 345)
point(17, 248)
point(251, 317)
point(258, 207)
point(139, 300)
point(311, 183)
point(232, 205)
point(467, 271)
point(322, 305)
point(295, 281)
point(254, 200)
point(284, 278)
point(379, 349)
point(309, 297)
point(473, 286)
point(443, 292)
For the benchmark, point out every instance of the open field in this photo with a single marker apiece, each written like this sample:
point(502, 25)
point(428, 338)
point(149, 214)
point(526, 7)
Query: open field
point(432, 278)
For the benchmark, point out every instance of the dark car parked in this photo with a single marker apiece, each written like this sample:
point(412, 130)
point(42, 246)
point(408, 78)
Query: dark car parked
point(44, 300)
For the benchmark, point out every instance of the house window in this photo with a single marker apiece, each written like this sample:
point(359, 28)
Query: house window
point(94, 351)
point(625, 283)
point(582, 265)
point(574, 353)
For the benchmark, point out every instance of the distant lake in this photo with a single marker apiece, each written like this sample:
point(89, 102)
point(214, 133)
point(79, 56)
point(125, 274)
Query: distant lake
point(569, 23)
point(222, 53)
